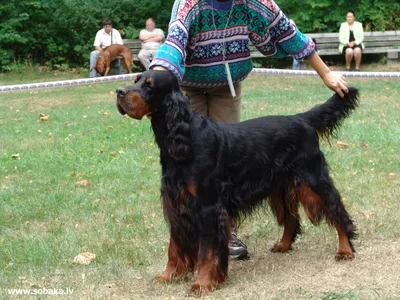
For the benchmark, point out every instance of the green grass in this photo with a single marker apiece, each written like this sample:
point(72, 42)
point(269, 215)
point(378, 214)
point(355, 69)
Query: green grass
point(47, 218)
point(27, 73)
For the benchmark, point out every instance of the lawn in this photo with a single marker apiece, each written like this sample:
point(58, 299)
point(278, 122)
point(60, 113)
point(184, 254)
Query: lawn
point(77, 176)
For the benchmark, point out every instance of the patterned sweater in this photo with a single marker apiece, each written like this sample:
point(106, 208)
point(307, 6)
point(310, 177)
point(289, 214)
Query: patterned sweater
point(203, 34)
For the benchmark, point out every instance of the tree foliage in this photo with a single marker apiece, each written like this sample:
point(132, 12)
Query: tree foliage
point(61, 32)
point(326, 15)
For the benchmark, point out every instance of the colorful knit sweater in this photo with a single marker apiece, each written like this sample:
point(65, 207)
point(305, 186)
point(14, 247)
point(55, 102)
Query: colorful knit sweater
point(200, 31)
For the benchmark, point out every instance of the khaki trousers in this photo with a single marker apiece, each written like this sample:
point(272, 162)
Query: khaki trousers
point(216, 103)
point(146, 56)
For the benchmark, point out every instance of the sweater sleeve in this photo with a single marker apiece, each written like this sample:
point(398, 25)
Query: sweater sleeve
point(273, 35)
point(172, 54)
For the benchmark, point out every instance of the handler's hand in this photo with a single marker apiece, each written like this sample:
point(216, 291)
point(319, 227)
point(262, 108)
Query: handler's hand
point(336, 83)
point(159, 68)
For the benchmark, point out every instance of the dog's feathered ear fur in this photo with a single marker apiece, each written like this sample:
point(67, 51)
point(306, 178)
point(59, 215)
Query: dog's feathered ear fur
point(179, 139)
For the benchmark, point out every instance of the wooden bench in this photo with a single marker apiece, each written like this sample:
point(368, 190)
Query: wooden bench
point(135, 46)
point(375, 42)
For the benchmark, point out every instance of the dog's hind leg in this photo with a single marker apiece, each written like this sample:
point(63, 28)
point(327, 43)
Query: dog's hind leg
point(285, 207)
point(321, 198)
point(128, 62)
point(291, 229)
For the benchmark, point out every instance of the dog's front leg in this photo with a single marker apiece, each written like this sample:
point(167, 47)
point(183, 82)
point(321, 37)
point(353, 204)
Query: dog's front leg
point(209, 273)
point(213, 252)
point(107, 70)
point(178, 264)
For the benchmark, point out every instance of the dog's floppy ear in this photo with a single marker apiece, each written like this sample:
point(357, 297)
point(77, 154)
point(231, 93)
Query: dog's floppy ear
point(179, 139)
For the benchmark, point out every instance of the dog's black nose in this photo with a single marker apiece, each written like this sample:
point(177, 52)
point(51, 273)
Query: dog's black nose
point(121, 92)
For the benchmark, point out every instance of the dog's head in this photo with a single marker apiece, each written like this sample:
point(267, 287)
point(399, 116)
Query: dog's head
point(156, 94)
point(100, 66)
point(147, 95)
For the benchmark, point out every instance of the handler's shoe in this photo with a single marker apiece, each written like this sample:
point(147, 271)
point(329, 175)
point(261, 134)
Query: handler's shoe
point(237, 249)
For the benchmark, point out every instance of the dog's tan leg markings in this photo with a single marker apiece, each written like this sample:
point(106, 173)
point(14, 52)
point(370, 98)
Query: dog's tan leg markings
point(177, 265)
point(208, 277)
point(288, 216)
point(344, 252)
point(314, 207)
point(285, 243)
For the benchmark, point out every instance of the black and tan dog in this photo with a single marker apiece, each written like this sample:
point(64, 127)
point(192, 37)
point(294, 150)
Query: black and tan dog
point(214, 173)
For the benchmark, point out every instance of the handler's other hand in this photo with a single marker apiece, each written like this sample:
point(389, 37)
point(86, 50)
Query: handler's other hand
point(336, 82)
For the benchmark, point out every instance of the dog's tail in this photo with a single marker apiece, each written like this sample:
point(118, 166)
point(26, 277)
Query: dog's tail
point(329, 116)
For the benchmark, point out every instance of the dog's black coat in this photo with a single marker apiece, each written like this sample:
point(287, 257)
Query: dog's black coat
point(214, 173)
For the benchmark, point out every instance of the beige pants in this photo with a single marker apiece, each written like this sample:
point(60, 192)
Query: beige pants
point(216, 103)
point(145, 56)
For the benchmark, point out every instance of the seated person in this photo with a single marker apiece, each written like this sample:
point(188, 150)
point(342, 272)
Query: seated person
point(151, 39)
point(104, 38)
point(351, 37)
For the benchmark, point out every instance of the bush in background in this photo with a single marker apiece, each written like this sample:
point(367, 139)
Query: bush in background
point(60, 33)
point(327, 15)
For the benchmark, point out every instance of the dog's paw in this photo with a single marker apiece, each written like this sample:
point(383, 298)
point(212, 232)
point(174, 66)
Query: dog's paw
point(197, 290)
point(280, 248)
point(162, 278)
point(344, 255)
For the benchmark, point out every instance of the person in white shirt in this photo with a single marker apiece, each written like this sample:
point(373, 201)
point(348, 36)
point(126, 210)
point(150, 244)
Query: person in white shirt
point(104, 38)
point(151, 39)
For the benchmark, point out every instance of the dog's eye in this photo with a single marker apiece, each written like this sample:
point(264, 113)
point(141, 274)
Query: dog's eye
point(137, 78)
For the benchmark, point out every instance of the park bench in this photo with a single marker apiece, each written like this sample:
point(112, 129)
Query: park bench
point(135, 46)
point(376, 42)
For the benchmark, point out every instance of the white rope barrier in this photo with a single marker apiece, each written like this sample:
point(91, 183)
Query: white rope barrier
point(64, 83)
point(313, 73)
point(85, 81)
